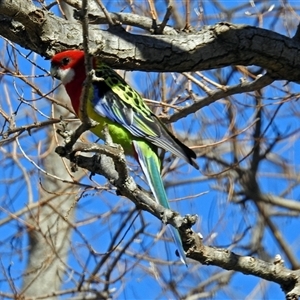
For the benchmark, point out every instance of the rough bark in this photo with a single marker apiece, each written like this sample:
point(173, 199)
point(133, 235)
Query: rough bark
point(215, 46)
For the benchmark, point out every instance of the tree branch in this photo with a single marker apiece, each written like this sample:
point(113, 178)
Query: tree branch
point(288, 280)
point(214, 46)
point(102, 163)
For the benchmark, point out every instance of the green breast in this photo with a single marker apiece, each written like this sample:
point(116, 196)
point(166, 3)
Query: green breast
point(118, 134)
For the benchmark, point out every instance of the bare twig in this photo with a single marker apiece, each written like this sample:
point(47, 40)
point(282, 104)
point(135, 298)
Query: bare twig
point(166, 18)
point(106, 13)
point(187, 16)
point(199, 103)
point(152, 10)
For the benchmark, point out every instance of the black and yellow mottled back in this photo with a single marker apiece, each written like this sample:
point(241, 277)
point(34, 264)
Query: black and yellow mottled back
point(115, 100)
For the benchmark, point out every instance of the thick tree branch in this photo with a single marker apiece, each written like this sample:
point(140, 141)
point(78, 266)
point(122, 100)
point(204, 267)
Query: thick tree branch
point(110, 162)
point(288, 280)
point(213, 47)
point(103, 163)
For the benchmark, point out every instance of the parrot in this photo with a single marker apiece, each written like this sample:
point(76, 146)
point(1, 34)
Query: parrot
point(131, 123)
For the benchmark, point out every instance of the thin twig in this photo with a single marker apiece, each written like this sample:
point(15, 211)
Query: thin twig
point(39, 168)
point(200, 102)
point(153, 15)
point(87, 122)
point(196, 81)
point(166, 18)
point(187, 17)
point(106, 13)
point(152, 10)
point(21, 129)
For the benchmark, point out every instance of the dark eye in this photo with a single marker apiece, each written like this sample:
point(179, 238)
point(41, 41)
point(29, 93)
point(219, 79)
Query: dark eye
point(65, 61)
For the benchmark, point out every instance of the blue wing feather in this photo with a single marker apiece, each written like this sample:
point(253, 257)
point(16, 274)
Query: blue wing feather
point(115, 100)
point(109, 106)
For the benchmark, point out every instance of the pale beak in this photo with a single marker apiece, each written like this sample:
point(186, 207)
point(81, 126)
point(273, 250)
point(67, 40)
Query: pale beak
point(53, 71)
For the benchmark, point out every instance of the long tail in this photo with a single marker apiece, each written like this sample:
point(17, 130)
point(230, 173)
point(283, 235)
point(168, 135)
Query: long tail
point(150, 165)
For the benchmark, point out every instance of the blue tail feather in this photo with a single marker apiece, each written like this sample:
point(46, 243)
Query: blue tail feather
point(150, 165)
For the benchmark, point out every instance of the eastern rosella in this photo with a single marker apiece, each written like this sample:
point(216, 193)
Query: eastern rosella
point(129, 120)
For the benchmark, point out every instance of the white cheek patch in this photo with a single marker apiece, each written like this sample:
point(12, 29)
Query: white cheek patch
point(66, 76)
